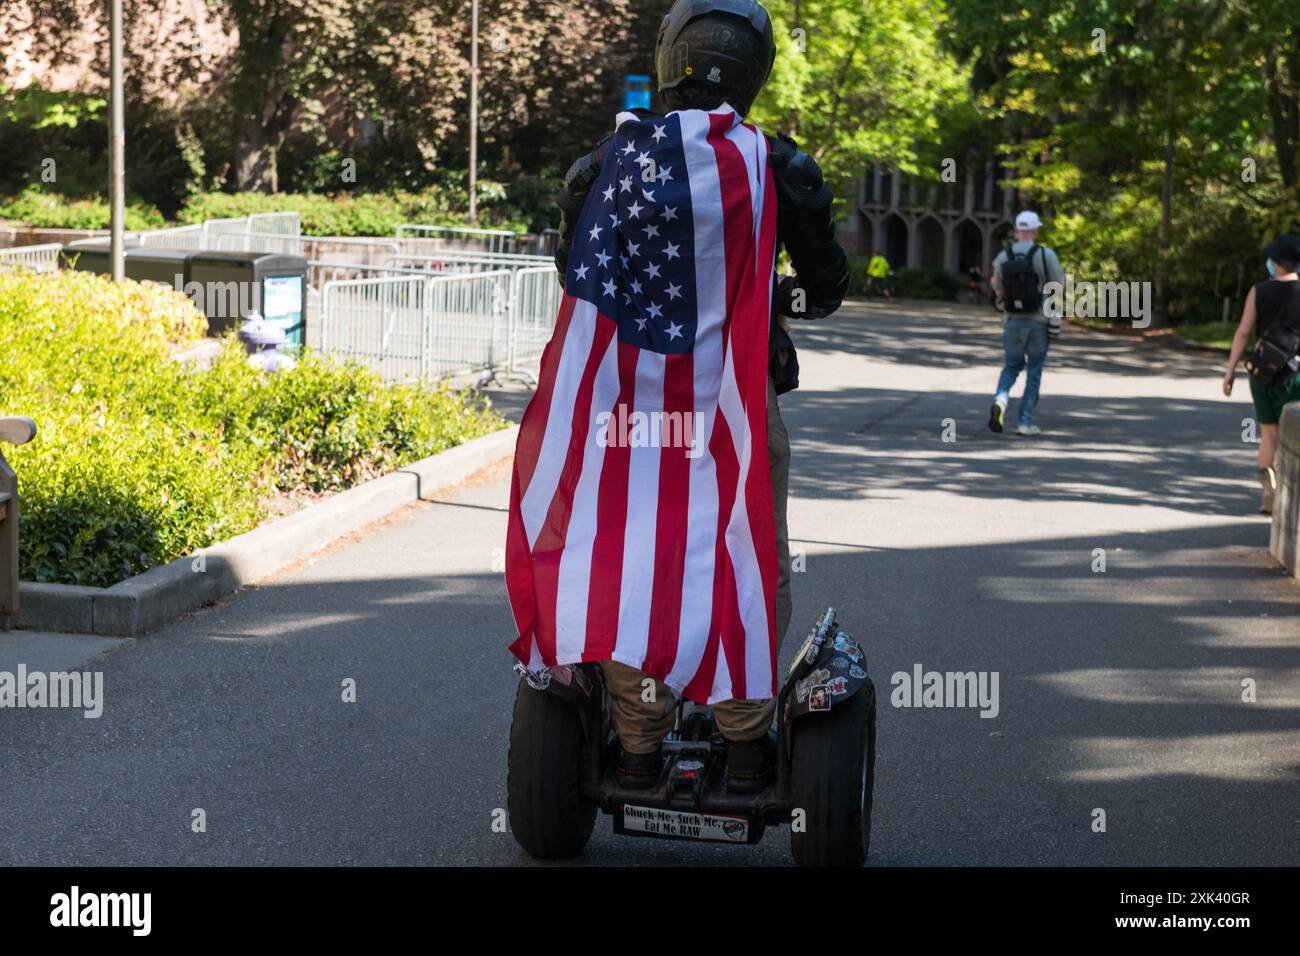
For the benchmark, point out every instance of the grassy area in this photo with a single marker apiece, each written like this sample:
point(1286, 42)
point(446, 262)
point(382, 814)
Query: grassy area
point(1214, 335)
point(141, 459)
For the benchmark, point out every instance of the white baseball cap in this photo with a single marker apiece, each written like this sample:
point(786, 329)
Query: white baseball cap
point(1028, 220)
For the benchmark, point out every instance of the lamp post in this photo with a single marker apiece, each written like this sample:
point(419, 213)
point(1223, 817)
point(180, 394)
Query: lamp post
point(116, 143)
point(473, 115)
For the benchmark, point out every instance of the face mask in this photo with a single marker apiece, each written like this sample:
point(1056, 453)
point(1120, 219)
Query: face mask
point(1272, 269)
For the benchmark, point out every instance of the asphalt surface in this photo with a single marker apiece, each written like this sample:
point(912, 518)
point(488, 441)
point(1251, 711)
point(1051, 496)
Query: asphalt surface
point(1118, 690)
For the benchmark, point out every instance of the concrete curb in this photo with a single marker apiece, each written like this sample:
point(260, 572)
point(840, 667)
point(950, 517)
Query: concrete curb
point(151, 600)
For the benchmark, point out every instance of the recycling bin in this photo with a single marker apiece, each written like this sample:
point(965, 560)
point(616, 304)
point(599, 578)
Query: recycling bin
point(224, 286)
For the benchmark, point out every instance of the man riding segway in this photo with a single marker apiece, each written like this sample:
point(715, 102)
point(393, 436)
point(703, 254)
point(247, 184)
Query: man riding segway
point(670, 565)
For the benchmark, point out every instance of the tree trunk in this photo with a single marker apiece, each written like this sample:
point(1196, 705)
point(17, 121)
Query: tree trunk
point(1284, 111)
point(1166, 210)
point(254, 157)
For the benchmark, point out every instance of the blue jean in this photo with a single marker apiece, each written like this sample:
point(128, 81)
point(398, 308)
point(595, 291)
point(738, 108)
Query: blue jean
point(1025, 344)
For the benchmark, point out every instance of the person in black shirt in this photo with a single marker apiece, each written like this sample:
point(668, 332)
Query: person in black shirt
point(1276, 299)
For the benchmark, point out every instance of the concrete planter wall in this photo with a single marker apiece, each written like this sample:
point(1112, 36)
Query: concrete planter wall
point(152, 600)
point(1284, 541)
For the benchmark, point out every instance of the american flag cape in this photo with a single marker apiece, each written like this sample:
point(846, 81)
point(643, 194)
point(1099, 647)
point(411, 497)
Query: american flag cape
point(641, 526)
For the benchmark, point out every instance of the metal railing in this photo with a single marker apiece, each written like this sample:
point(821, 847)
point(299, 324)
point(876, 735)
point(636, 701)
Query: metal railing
point(461, 261)
point(232, 235)
point(243, 234)
point(42, 258)
point(420, 239)
point(321, 272)
point(410, 328)
point(456, 237)
point(410, 316)
point(534, 303)
point(179, 237)
point(365, 252)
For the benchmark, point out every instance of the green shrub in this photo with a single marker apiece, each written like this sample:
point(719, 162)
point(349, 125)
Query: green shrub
point(928, 283)
point(47, 210)
point(858, 274)
point(141, 459)
point(348, 214)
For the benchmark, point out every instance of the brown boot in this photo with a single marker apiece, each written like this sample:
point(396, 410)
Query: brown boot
point(638, 771)
point(751, 765)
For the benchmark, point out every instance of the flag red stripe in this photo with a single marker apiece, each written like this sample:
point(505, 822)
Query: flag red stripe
point(528, 446)
point(670, 524)
point(548, 548)
point(611, 521)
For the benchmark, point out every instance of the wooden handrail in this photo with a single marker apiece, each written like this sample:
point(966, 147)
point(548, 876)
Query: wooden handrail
point(17, 429)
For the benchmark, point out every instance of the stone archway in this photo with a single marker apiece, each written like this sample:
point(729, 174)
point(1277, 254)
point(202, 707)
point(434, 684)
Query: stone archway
point(969, 239)
point(895, 232)
point(933, 244)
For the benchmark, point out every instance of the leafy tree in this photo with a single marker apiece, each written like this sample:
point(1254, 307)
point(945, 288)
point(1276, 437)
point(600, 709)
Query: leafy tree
point(860, 83)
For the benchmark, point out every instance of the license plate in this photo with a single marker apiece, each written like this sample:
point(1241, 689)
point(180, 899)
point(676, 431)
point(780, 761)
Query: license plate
point(677, 825)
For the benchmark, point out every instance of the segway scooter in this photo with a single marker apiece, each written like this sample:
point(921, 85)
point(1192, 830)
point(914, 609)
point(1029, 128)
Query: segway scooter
point(563, 749)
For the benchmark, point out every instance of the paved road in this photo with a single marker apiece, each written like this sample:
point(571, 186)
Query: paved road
point(1118, 690)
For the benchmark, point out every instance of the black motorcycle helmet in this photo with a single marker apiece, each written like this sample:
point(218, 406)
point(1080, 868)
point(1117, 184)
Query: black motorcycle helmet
point(714, 49)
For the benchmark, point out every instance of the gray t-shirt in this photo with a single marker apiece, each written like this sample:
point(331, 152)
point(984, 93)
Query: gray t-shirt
point(1046, 265)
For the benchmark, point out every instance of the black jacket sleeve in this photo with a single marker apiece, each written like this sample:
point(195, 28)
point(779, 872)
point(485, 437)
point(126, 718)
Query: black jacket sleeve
point(806, 228)
point(571, 198)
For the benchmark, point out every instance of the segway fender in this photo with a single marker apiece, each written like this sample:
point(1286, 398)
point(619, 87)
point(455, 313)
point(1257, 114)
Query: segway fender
point(573, 683)
point(838, 673)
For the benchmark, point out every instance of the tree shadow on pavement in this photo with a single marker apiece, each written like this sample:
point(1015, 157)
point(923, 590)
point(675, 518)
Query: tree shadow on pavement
point(947, 335)
point(1174, 453)
point(1119, 691)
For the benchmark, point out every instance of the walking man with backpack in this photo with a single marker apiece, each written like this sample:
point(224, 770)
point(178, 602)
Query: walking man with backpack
point(1019, 275)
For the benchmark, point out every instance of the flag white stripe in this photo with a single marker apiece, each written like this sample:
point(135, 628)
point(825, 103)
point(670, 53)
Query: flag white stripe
point(636, 589)
point(559, 422)
point(574, 579)
point(711, 292)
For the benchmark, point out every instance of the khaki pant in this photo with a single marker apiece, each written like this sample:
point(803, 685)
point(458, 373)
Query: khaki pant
point(641, 723)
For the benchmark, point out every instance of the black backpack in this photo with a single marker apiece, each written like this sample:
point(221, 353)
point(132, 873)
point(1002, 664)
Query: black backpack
point(1022, 289)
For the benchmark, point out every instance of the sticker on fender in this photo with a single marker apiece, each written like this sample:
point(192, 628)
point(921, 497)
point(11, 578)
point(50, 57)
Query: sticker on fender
point(682, 826)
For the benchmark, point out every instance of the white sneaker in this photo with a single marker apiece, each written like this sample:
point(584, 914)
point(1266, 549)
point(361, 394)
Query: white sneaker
point(1030, 430)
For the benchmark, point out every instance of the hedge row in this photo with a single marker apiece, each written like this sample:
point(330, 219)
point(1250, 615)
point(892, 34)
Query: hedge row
point(345, 214)
point(141, 459)
point(927, 283)
point(46, 210)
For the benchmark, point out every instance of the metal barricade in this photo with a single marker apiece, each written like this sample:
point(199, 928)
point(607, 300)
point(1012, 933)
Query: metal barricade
point(468, 323)
point(179, 237)
point(461, 261)
point(275, 223)
point(329, 258)
point(452, 237)
point(42, 258)
point(534, 304)
point(376, 322)
point(242, 234)
point(418, 327)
